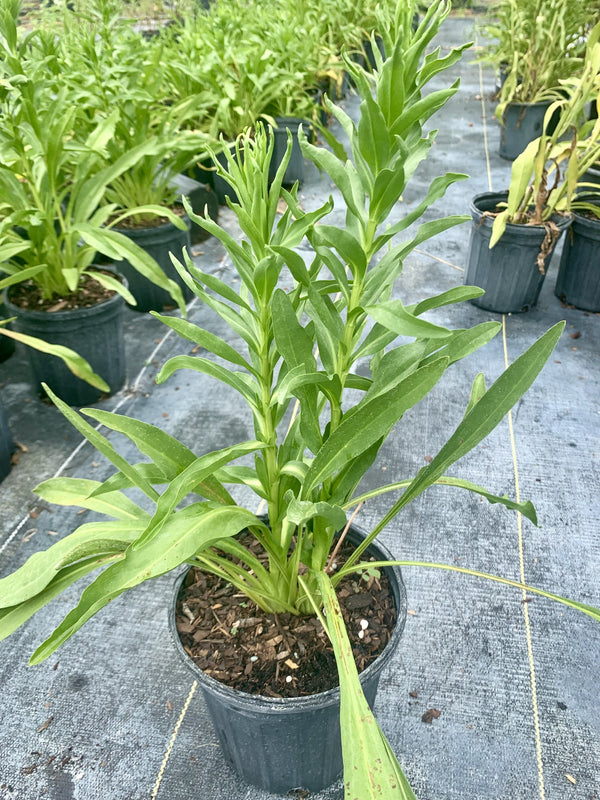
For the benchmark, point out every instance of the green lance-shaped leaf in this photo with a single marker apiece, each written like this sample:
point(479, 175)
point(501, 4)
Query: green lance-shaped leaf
point(169, 455)
point(395, 366)
point(186, 533)
point(456, 295)
point(371, 770)
point(239, 381)
point(8, 251)
point(393, 315)
point(387, 189)
point(338, 172)
point(347, 246)
point(371, 421)
point(102, 445)
point(436, 190)
point(75, 363)
point(464, 342)
point(389, 268)
point(118, 246)
point(484, 416)
point(193, 475)
point(80, 492)
point(329, 328)
point(420, 111)
point(374, 141)
point(296, 347)
point(92, 540)
point(13, 617)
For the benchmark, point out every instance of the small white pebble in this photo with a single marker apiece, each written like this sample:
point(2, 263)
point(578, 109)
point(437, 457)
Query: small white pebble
point(364, 624)
point(253, 658)
point(288, 679)
point(361, 634)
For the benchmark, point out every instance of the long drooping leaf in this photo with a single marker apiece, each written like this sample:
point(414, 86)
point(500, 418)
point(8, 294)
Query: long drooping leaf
point(80, 492)
point(92, 540)
point(480, 421)
point(584, 608)
point(371, 770)
point(14, 616)
point(526, 507)
point(185, 534)
point(74, 362)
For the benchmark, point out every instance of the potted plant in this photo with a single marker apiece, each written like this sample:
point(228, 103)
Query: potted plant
point(53, 184)
point(72, 361)
point(308, 474)
point(536, 45)
point(514, 233)
point(578, 282)
point(113, 71)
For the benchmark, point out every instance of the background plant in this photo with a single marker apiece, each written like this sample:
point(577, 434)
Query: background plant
point(545, 178)
point(54, 174)
point(537, 44)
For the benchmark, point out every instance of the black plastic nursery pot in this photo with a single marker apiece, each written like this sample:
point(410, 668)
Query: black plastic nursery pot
point(7, 345)
point(222, 189)
point(592, 175)
point(6, 445)
point(578, 281)
point(159, 242)
point(509, 272)
point(295, 168)
point(521, 124)
point(95, 333)
point(285, 744)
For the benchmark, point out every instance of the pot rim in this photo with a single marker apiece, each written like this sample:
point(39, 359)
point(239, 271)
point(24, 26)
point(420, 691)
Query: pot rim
point(162, 228)
point(563, 221)
point(328, 697)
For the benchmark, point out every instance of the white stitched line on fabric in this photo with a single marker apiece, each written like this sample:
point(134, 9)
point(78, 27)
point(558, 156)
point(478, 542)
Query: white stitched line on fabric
point(532, 678)
point(437, 258)
point(163, 766)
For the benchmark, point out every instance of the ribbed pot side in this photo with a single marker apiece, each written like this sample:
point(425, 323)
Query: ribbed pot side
point(509, 272)
point(95, 333)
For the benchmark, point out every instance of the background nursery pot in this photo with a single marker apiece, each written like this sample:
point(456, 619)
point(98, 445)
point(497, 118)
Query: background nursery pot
point(578, 281)
point(159, 242)
point(295, 168)
point(95, 333)
point(6, 445)
point(509, 272)
point(282, 744)
point(522, 123)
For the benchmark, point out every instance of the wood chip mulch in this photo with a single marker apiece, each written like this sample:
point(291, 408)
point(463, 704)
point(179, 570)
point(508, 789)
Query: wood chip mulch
point(281, 655)
point(89, 293)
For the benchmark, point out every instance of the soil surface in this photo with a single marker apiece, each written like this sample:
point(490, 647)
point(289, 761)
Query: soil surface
point(281, 655)
point(89, 293)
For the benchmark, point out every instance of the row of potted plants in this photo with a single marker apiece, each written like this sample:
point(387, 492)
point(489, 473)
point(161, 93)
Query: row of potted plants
point(515, 233)
point(319, 418)
point(98, 123)
point(534, 45)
